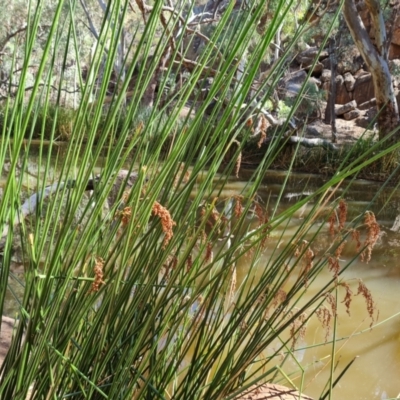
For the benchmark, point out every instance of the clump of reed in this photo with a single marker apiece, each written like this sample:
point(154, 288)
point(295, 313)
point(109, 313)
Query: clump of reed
point(146, 299)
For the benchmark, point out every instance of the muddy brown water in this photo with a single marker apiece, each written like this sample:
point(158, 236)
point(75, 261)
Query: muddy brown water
point(376, 372)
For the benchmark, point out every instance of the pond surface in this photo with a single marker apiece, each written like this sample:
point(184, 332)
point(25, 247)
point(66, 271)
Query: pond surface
point(376, 372)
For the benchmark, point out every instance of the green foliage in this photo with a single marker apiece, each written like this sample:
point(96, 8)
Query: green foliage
point(139, 297)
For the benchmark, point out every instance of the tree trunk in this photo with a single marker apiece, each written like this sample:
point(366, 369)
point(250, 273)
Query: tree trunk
point(375, 56)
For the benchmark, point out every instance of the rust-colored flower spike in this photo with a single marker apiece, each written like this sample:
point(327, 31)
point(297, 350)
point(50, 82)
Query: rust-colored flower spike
point(331, 223)
point(355, 235)
point(373, 231)
point(126, 214)
point(238, 209)
point(364, 291)
point(324, 316)
point(261, 214)
point(189, 262)
point(167, 222)
point(308, 264)
point(348, 297)
point(298, 328)
point(342, 214)
point(98, 275)
point(249, 123)
point(334, 266)
point(262, 127)
point(209, 252)
point(330, 298)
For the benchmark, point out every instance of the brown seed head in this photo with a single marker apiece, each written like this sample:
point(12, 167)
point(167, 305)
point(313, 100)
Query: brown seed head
point(373, 231)
point(348, 297)
point(167, 222)
point(98, 275)
point(364, 291)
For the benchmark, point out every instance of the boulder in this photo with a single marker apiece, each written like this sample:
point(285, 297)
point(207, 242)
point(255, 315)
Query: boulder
point(394, 51)
point(396, 34)
point(367, 119)
point(371, 114)
point(307, 57)
point(292, 83)
point(342, 95)
point(326, 87)
point(361, 72)
point(349, 81)
point(326, 63)
point(307, 64)
point(310, 54)
point(362, 122)
point(326, 75)
point(368, 104)
point(318, 68)
point(353, 114)
point(363, 89)
point(7, 327)
point(394, 68)
point(350, 61)
point(341, 109)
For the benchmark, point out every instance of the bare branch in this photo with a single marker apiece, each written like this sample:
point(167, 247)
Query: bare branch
point(11, 35)
point(92, 29)
point(8, 94)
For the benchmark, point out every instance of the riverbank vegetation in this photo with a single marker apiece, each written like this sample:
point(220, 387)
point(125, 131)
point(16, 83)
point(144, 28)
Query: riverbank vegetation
point(144, 296)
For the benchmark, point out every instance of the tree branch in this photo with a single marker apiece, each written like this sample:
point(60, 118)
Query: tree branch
point(11, 35)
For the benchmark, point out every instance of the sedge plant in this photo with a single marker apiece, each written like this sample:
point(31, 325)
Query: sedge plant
point(141, 298)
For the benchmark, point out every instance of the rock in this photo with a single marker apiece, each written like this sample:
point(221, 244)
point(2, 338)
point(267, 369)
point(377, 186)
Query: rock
point(316, 82)
point(292, 83)
point(310, 54)
point(367, 119)
point(271, 391)
point(394, 51)
point(326, 75)
point(396, 34)
point(394, 68)
point(349, 81)
point(313, 131)
point(342, 95)
point(7, 327)
point(351, 115)
point(308, 62)
point(367, 104)
point(362, 122)
point(318, 68)
point(342, 109)
point(361, 72)
point(350, 61)
point(307, 57)
point(371, 114)
point(326, 87)
point(363, 89)
point(326, 63)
